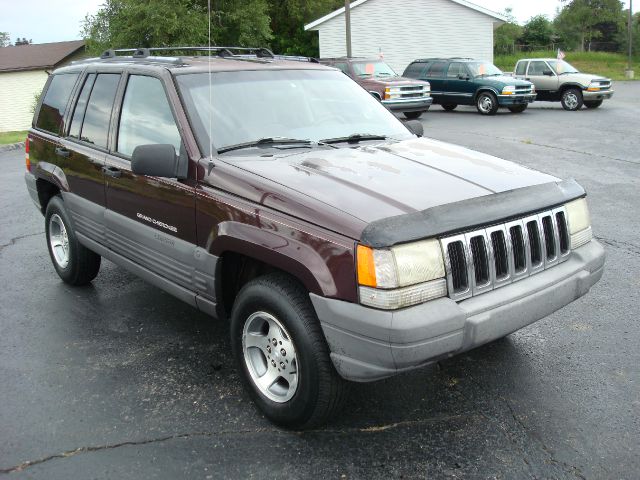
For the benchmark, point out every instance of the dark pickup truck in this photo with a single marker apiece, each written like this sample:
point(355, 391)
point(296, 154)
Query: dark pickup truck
point(279, 195)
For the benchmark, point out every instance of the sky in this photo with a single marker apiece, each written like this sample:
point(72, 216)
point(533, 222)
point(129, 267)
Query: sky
point(59, 20)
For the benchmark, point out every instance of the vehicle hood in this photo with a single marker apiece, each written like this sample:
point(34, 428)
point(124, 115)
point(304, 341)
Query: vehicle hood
point(393, 81)
point(581, 78)
point(346, 189)
point(503, 81)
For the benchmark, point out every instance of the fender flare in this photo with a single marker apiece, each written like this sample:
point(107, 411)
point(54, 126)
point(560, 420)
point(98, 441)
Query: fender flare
point(276, 250)
point(485, 89)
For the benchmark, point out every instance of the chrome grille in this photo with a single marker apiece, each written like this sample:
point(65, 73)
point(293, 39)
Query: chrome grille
point(494, 256)
point(523, 89)
point(413, 91)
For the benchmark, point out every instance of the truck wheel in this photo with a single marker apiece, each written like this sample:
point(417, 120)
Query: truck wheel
point(487, 103)
point(412, 115)
point(592, 103)
point(282, 355)
point(571, 99)
point(74, 263)
point(518, 108)
point(449, 107)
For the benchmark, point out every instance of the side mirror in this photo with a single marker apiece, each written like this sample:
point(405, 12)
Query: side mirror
point(415, 127)
point(463, 77)
point(548, 73)
point(158, 160)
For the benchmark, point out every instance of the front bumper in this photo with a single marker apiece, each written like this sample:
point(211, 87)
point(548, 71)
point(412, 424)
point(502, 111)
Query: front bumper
point(601, 95)
point(408, 105)
point(368, 344)
point(516, 99)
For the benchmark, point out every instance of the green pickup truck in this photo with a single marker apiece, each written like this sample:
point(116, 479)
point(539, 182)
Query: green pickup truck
point(465, 81)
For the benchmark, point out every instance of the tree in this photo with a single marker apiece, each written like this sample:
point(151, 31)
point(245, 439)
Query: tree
point(288, 18)
point(538, 31)
point(156, 23)
point(506, 35)
point(22, 41)
point(578, 20)
point(5, 41)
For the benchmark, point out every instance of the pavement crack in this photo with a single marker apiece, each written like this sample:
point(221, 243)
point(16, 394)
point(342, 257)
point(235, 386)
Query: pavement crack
point(15, 239)
point(626, 246)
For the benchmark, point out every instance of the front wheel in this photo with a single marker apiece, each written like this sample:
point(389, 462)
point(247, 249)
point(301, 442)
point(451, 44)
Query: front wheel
point(571, 99)
point(282, 355)
point(412, 115)
point(592, 103)
point(518, 108)
point(487, 103)
point(74, 263)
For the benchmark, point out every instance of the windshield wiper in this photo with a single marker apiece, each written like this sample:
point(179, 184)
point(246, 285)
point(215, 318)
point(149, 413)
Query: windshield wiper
point(355, 138)
point(266, 141)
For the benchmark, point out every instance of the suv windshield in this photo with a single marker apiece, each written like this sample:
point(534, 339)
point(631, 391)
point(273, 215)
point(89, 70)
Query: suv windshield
point(375, 69)
point(484, 69)
point(560, 67)
point(247, 106)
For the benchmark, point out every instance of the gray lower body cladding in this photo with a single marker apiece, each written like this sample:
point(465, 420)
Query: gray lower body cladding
point(368, 344)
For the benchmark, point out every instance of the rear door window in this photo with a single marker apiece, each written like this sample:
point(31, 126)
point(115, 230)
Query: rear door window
point(146, 116)
point(455, 70)
point(55, 102)
point(437, 69)
point(95, 127)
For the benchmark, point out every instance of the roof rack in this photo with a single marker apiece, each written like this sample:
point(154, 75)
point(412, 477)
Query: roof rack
point(237, 53)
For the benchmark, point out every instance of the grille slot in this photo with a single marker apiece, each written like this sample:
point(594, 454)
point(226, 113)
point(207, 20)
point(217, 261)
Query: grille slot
point(535, 246)
point(563, 233)
point(458, 263)
point(491, 257)
point(501, 261)
point(518, 246)
point(549, 238)
point(480, 261)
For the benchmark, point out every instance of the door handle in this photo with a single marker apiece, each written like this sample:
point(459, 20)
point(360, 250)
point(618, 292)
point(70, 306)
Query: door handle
point(62, 152)
point(112, 172)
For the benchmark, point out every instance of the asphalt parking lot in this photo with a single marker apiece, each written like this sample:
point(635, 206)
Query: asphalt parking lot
point(119, 380)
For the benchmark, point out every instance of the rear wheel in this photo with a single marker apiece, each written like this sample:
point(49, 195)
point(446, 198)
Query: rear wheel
point(449, 106)
point(518, 108)
point(412, 115)
point(282, 355)
point(571, 99)
point(592, 103)
point(74, 263)
point(487, 103)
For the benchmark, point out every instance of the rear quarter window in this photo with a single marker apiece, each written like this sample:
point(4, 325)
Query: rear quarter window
point(521, 68)
point(414, 70)
point(55, 101)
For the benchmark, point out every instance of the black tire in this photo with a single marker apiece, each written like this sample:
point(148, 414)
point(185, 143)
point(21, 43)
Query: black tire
point(412, 115)
point(83, 264)
point(592, 103)
point(518, 108)
point(449, 107)
point(320, 391)
point(487, 103)
point(571, 99)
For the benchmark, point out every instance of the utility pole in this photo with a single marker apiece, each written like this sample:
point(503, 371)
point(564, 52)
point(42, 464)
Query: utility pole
point(347, 19)
point(629, 72)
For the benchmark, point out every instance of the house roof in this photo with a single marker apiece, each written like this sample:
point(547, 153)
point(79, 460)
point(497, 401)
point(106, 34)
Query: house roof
point(357, 3)
point(36, 56)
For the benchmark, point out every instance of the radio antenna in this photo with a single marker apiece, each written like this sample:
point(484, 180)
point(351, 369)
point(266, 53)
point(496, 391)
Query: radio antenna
point(210, 92)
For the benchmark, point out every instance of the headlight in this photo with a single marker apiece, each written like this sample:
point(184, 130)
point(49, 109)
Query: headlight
point(391, 92)
point(401, 276)
point(579, 222)
point(509, 90)
point(594, 87)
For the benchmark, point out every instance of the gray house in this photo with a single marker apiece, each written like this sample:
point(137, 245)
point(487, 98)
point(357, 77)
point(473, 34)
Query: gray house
point(408, 29)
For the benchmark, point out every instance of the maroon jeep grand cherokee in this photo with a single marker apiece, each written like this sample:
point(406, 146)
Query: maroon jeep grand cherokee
point(281, 196)
point(398, 94)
